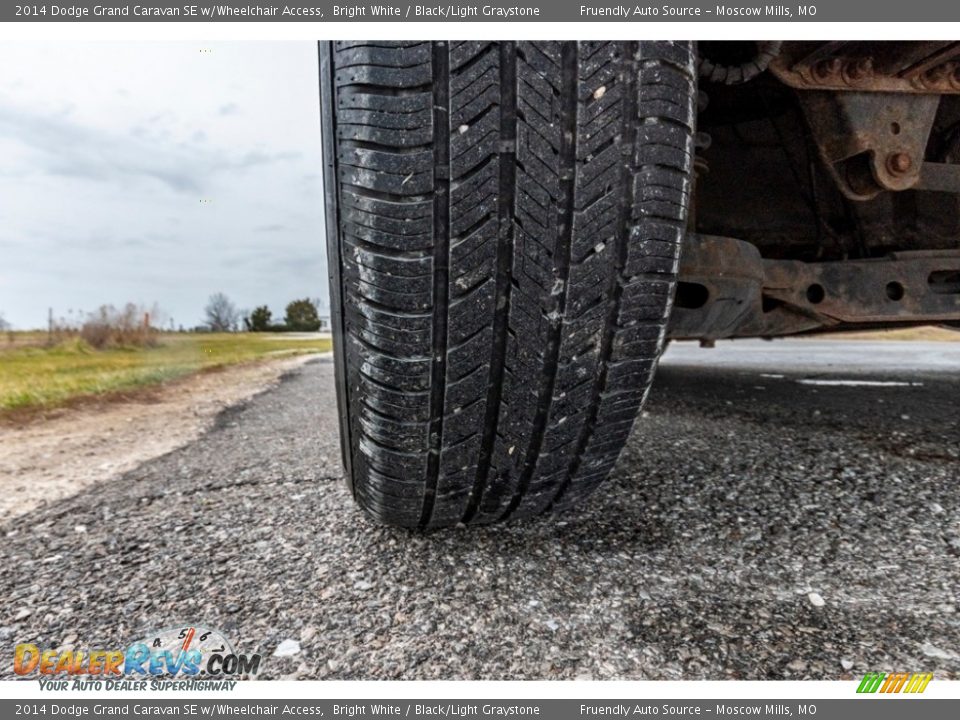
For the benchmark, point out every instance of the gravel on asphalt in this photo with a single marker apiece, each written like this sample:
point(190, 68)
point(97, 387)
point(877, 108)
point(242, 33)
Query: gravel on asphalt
point(755, 528)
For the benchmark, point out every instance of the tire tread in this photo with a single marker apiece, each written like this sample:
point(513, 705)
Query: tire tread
point(510, 222)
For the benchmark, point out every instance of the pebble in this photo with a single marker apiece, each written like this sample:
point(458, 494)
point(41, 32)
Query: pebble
point(287, 648)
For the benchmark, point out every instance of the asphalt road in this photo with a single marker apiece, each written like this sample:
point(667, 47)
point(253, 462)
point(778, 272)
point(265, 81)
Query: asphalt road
point(756, 527)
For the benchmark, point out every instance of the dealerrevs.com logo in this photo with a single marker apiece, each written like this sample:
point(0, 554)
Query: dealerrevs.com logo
point(910, 683)
point(190, 651)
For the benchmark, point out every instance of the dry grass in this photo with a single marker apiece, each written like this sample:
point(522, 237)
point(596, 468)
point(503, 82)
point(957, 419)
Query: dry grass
point(35, 375)
point(11, 340)
point(925, 333)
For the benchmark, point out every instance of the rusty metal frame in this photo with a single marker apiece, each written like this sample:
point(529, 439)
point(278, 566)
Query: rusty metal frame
point(729, 274)
point(751, 297)
point(917, 68)
point(893, 289)
point(871, 106)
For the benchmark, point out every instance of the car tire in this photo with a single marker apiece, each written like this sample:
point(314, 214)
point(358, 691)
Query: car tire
point(504, 224)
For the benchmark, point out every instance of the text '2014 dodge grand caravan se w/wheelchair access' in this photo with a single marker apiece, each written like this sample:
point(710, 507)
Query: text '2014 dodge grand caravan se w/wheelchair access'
point(515, 229)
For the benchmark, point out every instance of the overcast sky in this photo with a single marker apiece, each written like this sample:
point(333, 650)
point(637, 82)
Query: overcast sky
point(158, 173)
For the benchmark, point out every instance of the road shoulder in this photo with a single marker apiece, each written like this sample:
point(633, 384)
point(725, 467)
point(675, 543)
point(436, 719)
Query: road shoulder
point(49, 459)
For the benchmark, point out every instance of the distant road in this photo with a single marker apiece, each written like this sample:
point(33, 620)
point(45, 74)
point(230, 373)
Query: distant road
point(822, 356)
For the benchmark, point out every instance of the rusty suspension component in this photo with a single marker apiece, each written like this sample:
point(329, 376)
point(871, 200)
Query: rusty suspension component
point(921, 68)
point(871, 107)
point(727, 290)
point(871, 142)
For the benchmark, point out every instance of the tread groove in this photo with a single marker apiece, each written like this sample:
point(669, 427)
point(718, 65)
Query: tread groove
point(441, 271)
point(504, 263)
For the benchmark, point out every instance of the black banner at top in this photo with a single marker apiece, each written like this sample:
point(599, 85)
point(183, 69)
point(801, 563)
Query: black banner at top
point(498, 11)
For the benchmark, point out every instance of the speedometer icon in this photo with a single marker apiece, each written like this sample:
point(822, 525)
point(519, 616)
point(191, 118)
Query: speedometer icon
point(186, 650)
point(188, 637)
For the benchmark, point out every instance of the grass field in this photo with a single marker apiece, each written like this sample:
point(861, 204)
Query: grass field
point(33, 375)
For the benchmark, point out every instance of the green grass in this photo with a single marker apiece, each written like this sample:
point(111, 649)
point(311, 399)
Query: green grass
point(34, 376)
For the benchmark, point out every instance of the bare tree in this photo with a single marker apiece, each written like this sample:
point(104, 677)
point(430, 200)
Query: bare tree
point(222, 314)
